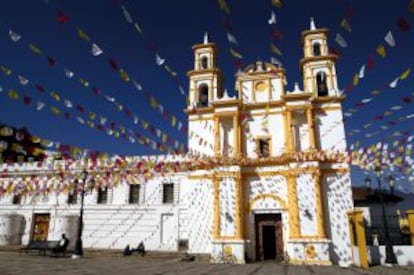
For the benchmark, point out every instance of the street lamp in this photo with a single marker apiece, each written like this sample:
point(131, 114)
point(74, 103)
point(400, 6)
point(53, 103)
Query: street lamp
point(391, 182)
point(78, 252)
point(390, 257)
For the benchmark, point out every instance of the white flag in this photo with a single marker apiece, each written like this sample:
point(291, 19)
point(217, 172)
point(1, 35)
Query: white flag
point(136, 119)
point(232, 39)
point(161, 108)
point(68, 73)
point(23, 80)
point(14, 36)
point(396, 108)
point(341, 41)
point(68, 104)
point(272, 19)
point(81, 121)
point(159, 60)
point(181, 90)
point(389, 38)
point(102, 120)
point(40, 105)
point(110, 99)
point(362, 72)
point(126, 14)
point(96, 50)
point(366, 100)
point(158, 132)
point(275, 61)
point(137, 85)
point(394, 83)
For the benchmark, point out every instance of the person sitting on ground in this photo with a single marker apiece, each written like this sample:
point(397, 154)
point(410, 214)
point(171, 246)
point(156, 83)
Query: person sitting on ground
point(141, 248)
point(62, 245)
point(127, 251)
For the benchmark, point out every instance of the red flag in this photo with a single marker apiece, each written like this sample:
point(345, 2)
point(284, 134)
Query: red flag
point(379, 117)
point(403, 24)
point(80, 108)
point(406, 99)
point(349, 11)
point(52, 62)
point(96, 91)
point(277, 34)
point(370, 62)
point(61, 17)
point(27, 100)
point(40, 88)
point(67, 115)
point(238, 63)
point(114, 65)
point(335, 52)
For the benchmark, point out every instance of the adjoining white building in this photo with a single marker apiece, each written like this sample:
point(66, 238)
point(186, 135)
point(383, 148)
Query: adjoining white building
point(270, 193)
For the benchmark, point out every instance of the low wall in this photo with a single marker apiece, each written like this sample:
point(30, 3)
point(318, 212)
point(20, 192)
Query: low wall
point(404, 254)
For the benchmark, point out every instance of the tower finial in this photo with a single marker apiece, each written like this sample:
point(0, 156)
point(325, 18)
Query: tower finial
point(205, 38)
point(312, 24)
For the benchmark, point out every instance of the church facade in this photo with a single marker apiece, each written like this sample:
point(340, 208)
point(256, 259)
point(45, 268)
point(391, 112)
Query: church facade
point(273, 191)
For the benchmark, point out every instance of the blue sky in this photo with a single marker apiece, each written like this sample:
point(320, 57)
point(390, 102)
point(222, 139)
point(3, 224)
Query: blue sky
point(173, 27)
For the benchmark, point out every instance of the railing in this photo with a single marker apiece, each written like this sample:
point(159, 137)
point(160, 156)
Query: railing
point(398, 232)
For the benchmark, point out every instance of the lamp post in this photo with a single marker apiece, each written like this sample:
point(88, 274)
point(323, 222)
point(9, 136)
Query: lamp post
point(78, 252)
point(390, 257)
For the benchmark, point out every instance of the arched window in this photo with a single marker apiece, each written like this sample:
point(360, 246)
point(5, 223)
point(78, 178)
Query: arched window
point(204, 62)
point(321, 84)
point(316, 49)
point(202, 95)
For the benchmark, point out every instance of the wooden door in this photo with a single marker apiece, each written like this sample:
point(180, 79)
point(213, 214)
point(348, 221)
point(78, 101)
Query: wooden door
point(269, 237)
point(40, 227)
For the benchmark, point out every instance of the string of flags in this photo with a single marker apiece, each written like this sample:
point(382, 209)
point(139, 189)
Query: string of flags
point(116, 170)
point(125, 76)
point(275, 34)
point(92, 117)
point(160, 61)
point(403, 25)
point(234, 46)
point(114, 102)
point(344, 25)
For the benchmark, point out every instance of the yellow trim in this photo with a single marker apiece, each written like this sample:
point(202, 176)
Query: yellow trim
point(294, 222)
point(358, 219)
point(216, 136)
point(236, 134)
point(199, 177)
point(314, 262)
point(288, 129)
point(328, 108)
point(200, 118)
point(265, 196)
point(410, 216)
point(203, 110)
point(330, 99)
point(227, 103)
point(238, 208)
point(265, 113)
point(319, 204)
point(216, 216)
point(309, 116)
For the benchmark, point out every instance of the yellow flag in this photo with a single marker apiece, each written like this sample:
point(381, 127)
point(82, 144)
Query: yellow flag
point(356, 80)
point(55, 110)
point(277, 3)
point(6, 70)
point(35, 49)
point(173, 121)
point(381, 51)
point(153, 102)
point(124, 76)
point(345, 24)
point(164, 137)
point(83, 35)
point(387, 113)
point(405, 74)
point(235, 54)
point(13, 94)
point(92, 115)
point(223, 6)
point(411, 6)
point(275, 49)
point(55, 96)
point(144, 124)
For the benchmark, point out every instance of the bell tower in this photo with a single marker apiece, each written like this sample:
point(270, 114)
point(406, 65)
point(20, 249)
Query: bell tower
point(205, 89)
point(318, 66)
point(205, 78)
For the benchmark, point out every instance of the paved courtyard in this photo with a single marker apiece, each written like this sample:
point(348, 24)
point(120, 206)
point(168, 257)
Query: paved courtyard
point(15, 263)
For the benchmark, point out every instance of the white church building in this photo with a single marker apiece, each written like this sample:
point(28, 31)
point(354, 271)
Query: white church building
point(269, 188)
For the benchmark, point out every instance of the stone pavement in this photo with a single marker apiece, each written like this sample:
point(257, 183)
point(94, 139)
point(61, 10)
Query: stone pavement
point(15, 263)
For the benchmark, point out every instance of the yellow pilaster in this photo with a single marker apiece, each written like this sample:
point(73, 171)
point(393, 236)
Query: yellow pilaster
point(288, 130)
point(238, 204)
point(360, 241)
point(236, 151)
point(216, 217)
point(410, 216)
point(319, 205)
point(216, 136)
point(293, 207)
point(309, 115)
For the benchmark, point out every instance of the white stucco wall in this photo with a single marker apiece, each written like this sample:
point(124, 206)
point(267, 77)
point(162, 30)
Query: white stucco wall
point(307, 205)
